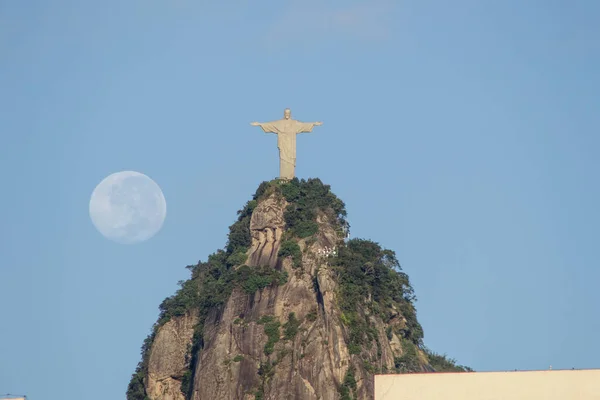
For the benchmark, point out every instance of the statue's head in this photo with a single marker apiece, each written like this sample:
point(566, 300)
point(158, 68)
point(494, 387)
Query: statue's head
point(287, 113)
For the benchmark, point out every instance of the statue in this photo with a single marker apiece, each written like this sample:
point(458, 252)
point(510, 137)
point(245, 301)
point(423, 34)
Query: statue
point(286, 130)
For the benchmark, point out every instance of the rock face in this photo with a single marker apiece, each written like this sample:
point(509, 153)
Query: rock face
point(284, 341)
point(168, 363)
point(309, 365)
point(266, 228)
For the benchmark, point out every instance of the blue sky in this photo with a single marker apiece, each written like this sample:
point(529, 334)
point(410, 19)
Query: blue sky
point(463, 135)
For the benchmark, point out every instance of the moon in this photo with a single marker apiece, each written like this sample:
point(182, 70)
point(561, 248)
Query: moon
point(128, 207)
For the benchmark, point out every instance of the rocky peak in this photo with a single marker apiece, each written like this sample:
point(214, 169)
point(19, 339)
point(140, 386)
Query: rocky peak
point(266, 229)
point(289, 310)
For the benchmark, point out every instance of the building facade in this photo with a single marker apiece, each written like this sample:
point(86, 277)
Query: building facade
point(517, 385)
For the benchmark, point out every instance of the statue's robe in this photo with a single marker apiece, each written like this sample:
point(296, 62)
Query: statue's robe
point(286, 130)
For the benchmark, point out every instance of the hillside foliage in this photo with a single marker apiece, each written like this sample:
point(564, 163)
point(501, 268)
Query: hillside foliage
point(441, 363)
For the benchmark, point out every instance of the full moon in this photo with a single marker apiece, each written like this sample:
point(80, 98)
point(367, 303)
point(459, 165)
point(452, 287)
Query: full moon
point(128, 207)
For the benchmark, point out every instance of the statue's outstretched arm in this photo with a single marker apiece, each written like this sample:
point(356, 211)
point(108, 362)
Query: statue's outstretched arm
point(267, 127)
point(308, 126)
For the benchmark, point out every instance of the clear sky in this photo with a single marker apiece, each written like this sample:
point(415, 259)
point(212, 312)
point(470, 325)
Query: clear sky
point(464, 135)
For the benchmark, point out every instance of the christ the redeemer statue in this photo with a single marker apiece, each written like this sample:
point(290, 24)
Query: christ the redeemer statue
point(286, 130)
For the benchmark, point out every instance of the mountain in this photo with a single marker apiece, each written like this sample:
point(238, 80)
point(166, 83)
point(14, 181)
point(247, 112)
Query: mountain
point(289, 309)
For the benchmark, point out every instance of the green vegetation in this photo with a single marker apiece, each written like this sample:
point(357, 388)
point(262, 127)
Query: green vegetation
point(238, 358)
point(348, 387)
point(290, 328)
point(239, 257)
point(252, 279)
point(441, 363)
point(272, 332)
point(265, 371)
point(290, 248)
point(370, 368)
point(136, 389)
point(312, 315)
point(365, 270)
point(302, 229)
point(409, 361)
point(305, 198)
point(281, 354)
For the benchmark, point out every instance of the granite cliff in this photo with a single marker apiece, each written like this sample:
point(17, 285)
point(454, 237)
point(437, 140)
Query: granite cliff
point(289, 309)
